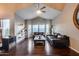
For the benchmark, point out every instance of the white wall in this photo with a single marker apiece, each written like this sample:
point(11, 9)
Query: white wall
point(64, 25)
point(12, 25)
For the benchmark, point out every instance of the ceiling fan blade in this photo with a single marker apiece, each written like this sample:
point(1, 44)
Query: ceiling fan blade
point(43, 11)
point(42, 7)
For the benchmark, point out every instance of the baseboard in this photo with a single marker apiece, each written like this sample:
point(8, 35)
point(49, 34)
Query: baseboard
point(74, 49)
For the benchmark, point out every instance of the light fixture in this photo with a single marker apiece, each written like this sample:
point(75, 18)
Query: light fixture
point(38, 12)
point(40, 9)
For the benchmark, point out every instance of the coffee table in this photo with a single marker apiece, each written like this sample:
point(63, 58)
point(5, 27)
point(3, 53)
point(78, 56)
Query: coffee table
point(39, 40)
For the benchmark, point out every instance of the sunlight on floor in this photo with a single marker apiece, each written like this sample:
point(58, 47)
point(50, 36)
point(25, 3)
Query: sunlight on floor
point(47, 48)
point(30, 46)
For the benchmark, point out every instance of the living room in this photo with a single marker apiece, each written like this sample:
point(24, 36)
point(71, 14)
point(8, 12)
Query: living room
point(35, 20)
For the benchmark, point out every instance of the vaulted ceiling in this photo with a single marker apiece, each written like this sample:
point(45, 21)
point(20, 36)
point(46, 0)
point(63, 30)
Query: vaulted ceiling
point(9, 9)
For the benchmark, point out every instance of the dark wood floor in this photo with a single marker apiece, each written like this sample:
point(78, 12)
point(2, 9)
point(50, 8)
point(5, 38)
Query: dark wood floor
point(26, 48)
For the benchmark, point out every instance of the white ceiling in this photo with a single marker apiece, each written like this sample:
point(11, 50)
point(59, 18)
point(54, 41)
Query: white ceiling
point(30, 13)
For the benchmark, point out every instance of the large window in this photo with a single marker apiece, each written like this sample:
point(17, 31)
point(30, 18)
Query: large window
point(35, 28)
point(38, 27)
point(47, 28)
point(5, 23)
point(42, 28)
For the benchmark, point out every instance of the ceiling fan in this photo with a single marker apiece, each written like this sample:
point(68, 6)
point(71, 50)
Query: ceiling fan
point(42, 9)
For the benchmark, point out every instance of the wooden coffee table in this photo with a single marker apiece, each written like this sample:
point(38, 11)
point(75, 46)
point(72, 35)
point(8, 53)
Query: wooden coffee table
point(39, 41)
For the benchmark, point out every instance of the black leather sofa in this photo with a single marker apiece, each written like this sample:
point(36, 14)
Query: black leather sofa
point(6, 42)
point(50, 39)
point(58, 41)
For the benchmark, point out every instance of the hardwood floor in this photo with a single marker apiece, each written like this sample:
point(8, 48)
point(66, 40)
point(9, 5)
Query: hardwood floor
point(26, 48)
